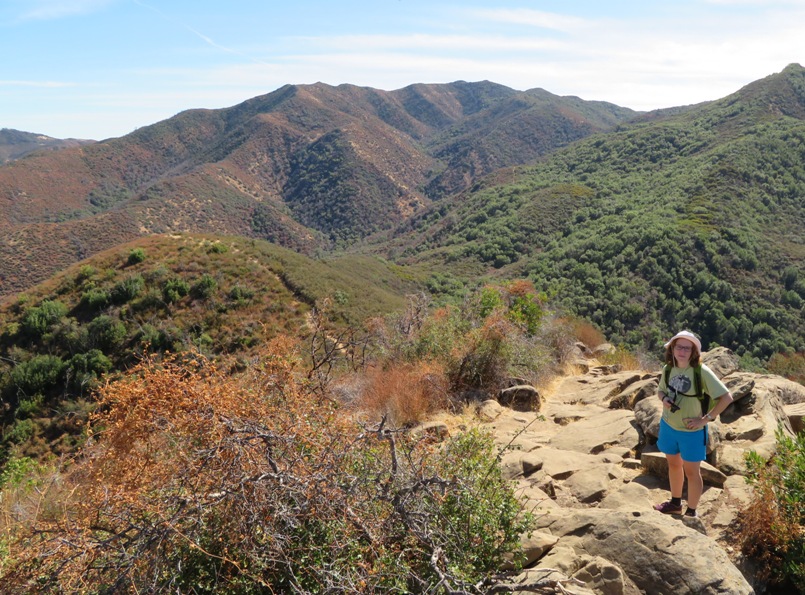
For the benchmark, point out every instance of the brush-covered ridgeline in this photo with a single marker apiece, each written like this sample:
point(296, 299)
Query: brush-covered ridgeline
point(689, 220)
point(223, 297)
point(641, 223)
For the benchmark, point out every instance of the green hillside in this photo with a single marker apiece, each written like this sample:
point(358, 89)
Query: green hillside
point(694, 219)
point(220, 296)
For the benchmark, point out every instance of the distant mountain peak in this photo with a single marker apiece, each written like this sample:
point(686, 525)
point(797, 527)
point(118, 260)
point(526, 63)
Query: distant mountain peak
point(16, 144)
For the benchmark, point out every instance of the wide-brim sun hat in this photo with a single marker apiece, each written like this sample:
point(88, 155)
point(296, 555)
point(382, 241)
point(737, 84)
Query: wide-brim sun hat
point(686, 335)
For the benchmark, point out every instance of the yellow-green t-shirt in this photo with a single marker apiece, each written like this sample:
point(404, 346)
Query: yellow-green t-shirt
point(682, 380)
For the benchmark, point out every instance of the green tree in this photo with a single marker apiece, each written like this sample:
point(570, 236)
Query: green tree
point(36, 375)
point(39, 319)
point(106, 333)
point(136, 256)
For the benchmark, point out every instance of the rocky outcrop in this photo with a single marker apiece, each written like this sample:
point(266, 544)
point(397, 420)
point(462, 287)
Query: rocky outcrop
point(587, 467)
point(521, 397)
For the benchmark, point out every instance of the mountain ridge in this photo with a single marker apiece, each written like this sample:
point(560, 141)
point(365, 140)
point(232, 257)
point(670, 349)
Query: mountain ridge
point(598, 223)
point(308, 166)
point(16, 144)
point(476, 181)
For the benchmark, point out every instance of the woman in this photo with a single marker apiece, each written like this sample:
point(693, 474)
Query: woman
point(683, 427)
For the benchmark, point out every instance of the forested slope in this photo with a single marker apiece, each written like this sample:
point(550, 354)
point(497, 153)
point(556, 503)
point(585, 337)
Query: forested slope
point(694, 219)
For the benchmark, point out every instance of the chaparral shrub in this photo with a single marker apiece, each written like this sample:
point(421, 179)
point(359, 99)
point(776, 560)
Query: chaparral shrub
point(199, 481)
point(772, 528)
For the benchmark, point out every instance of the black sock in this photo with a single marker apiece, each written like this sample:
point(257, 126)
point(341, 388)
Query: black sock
point(690, 511)
point(676, 501)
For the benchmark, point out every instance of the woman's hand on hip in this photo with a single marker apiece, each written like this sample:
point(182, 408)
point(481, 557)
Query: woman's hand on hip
point(694, 423)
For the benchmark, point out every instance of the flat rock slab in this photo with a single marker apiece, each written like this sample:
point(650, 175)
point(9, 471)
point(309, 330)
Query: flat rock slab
point(611, 428)
point(593, 390)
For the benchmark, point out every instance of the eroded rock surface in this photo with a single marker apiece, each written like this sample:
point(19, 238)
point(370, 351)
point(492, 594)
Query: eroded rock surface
point(587, 466)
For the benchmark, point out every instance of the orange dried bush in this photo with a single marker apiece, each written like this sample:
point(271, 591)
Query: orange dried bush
point(623, 358)
point(404, 393)
point(586, 333)
point(176, 444)
point(197, 481)
point(482, 362)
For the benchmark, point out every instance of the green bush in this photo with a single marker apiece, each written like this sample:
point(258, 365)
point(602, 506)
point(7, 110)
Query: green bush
point(457, 504)
point(37, 320)
point(205, 287)
point(36, 375)
point(174, 289)
point(29, 407)
point(217, 248)
point(106, 333)
point(136, 256)
point(19, 472)
point(85, 368)
point(772, 529)
point(241, 294)
point(86, 271)
point(95, 299)
point(22, 431)
point(128, 289)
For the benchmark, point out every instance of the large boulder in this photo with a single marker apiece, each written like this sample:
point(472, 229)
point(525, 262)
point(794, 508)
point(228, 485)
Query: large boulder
point(590, 574)
point(753, 419)
point(522, 397)
point(557, 462)
point(656, 463)
point(634, 392)
point(592, 484)
point(796, 416)
point(657, 552)
point(722, 361)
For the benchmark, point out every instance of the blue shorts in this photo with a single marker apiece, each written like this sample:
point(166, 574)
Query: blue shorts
point(691, 445)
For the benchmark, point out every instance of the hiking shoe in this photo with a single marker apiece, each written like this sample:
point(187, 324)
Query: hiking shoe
point(668, 508)
point(691, 512)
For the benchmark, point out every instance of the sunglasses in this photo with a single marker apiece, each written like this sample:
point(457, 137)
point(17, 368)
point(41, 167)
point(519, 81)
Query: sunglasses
point(683, 348)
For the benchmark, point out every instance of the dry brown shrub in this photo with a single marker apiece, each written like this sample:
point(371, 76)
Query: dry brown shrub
point(174, 441)
point(765, 533)
point(521, 288)
point(792, 366)
point(404, 393)
point(481, 363)
point(625, 359)
point(197, 481)
point(586, 333)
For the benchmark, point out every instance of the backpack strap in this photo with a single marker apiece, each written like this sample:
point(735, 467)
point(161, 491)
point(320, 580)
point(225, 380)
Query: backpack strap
point(704, 397)
point(697, 380)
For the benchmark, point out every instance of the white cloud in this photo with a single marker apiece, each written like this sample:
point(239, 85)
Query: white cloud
point(532, 18)
point(419, 42)
point(48, 84)
point(57, 9)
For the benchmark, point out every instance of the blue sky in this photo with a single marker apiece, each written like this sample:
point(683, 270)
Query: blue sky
point(102, 68)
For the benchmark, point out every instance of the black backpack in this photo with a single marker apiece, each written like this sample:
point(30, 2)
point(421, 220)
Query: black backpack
point(704, 398)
